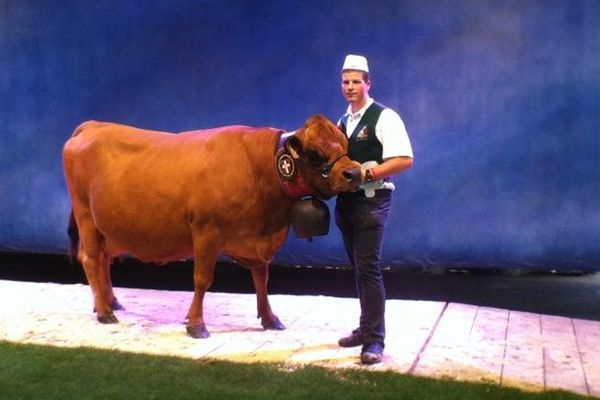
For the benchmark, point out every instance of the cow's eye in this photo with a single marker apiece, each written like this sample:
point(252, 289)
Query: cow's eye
point(325, 171)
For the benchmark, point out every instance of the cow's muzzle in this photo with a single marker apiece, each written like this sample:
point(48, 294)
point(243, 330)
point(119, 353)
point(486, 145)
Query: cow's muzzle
point(352, 175)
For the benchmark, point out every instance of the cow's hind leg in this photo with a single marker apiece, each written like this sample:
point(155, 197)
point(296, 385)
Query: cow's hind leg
point(105, 295)
point(260, 276)
point(110, 295)
point(96, 264)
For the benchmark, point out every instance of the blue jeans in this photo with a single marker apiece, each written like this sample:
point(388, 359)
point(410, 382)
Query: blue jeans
point(362, 221)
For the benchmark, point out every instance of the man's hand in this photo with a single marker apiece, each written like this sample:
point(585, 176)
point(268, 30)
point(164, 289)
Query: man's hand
point(369, 182)
point(366, 172)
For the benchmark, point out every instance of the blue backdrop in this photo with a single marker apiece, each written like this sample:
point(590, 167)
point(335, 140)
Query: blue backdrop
point(501, 100)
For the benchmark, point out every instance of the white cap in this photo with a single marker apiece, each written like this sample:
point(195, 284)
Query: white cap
point(356, 62)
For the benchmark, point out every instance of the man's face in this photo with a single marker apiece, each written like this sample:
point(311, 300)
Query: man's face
point(354, 88)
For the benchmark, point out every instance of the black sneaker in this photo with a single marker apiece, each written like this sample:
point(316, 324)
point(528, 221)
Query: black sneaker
point(372, 353)
point(355, 339)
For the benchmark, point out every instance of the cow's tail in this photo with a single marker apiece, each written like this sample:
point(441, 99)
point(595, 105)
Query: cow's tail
point(73, 233)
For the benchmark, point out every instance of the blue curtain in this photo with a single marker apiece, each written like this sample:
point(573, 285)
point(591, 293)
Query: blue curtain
point(501, 100)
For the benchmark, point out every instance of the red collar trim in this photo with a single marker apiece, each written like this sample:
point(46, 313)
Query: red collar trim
point(287, 171)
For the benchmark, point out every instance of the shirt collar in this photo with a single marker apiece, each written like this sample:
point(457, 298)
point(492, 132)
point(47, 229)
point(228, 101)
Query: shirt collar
point(360, 112)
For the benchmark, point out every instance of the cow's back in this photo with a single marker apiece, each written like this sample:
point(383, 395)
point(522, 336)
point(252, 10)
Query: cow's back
point(145, 189)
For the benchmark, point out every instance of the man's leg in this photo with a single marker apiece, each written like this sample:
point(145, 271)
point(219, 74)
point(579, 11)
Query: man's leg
point(368, 239)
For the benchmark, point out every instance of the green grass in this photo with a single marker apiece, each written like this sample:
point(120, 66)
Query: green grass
point(47, 373)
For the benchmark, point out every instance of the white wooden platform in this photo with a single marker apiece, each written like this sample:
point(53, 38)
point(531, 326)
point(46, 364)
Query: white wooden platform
point(435, 339)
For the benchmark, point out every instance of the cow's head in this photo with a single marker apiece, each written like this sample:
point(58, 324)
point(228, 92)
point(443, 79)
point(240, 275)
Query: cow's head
point(321, 150)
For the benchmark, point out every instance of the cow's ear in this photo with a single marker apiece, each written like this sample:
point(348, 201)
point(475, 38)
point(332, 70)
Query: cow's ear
point(293, 146)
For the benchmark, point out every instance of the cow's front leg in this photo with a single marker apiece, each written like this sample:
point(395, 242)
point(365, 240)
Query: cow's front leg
point(204, 270)
point(260, 276)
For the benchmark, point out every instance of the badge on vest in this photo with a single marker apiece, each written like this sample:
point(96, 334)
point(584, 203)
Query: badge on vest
point(362, 135)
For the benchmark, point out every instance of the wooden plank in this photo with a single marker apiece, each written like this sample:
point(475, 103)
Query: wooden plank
point(523, 364)
point(562, 363)
point(462, 348)
point(587, 334)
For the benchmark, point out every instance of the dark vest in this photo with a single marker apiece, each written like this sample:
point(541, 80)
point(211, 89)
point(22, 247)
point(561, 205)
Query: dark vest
point(364, 145)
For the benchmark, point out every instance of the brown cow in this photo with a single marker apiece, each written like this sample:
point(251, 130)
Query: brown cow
point(161, 197)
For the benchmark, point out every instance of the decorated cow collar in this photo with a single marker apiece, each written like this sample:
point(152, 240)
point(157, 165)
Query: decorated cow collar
point(288, 174)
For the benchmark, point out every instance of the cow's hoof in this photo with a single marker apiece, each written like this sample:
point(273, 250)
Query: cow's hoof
point(273, 324)
point(197, 331)
point(114, 306)
point(108, 319)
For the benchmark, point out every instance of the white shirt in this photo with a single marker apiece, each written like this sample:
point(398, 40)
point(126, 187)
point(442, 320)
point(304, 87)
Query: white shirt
point(389, 130)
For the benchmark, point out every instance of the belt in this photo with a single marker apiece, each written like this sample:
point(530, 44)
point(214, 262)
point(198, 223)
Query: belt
point(361, 193)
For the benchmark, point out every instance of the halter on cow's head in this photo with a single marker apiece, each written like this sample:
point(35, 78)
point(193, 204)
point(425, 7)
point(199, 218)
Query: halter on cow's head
point(314, 161)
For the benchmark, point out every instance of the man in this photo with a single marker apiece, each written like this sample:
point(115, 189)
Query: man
point(378, 139)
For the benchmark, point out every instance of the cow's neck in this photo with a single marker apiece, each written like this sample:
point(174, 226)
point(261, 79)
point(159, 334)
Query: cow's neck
point(288, 172)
